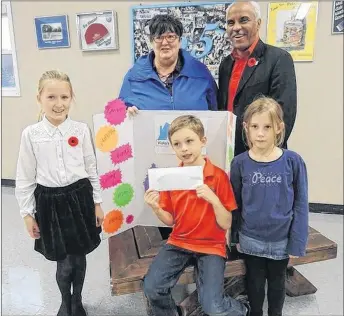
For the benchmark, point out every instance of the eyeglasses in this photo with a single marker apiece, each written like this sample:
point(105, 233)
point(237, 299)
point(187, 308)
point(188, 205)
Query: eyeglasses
point(169, 38)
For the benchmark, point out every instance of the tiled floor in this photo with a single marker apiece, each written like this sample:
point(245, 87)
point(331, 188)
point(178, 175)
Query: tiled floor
point(29, 288)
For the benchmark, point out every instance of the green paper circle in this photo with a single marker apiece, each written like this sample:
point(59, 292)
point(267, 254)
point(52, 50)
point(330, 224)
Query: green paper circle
point(230, 154)
point(123, 194)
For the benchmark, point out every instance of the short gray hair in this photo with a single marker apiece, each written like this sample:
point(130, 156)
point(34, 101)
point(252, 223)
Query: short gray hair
point(256, 8)
point(254, 4)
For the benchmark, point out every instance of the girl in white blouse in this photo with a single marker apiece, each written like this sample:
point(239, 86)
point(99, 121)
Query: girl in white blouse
point(58, 190)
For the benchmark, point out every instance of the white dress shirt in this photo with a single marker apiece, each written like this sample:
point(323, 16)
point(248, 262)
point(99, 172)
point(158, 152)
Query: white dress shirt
point(47, 158)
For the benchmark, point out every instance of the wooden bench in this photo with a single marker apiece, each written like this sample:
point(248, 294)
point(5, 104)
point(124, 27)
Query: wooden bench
point(132, 252)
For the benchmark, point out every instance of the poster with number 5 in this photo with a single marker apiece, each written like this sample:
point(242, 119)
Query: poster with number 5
point(204, 27)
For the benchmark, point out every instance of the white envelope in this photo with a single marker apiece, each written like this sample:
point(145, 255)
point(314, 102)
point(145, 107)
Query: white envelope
point(180, 178)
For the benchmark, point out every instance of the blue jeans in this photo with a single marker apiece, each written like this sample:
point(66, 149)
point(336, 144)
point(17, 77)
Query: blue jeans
point(275, 250)
point(165, 271)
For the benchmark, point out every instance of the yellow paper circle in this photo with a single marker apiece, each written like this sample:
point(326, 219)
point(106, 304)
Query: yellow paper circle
point(106, 138)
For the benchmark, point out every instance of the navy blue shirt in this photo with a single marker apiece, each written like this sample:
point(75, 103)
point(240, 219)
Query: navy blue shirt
point(272, 199)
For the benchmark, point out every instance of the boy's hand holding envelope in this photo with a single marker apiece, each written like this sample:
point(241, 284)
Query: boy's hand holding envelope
point(152, 199)
point(207, 194)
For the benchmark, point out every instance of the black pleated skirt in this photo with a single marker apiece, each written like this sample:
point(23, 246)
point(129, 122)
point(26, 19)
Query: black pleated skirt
point(66, 219)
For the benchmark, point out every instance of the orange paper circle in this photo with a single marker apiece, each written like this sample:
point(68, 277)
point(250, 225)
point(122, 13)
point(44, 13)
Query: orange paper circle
point(106, 138)
point(113, 221)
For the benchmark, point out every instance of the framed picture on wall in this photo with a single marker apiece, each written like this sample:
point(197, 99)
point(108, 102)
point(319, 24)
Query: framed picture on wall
point(97, 30)
point(338, 17)
point(52, 31)
point(292, 27)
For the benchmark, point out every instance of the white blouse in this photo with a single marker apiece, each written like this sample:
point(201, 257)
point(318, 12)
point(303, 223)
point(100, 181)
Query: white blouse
point(47, 158)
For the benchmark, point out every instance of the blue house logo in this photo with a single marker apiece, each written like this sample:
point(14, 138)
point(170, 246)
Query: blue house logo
point(163, 133)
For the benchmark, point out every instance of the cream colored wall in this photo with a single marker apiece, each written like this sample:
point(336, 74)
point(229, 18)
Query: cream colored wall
point(97, 76)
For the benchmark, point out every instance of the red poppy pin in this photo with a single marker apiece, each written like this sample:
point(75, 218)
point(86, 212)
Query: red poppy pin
point(252, 62)
point(73, 141)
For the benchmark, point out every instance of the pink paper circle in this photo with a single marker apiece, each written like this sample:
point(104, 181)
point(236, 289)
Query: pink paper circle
point(115, 111)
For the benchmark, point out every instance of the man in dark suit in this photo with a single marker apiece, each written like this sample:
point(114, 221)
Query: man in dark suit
point(254, 69)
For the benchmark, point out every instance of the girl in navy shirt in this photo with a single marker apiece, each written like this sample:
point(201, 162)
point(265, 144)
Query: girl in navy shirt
point(271, 189)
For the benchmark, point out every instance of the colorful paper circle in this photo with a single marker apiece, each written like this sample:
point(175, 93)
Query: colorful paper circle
point(230, 154)
point(129, 219)
point(113, 221)
point(115, 112)
point(106, 138)
point(123, 194)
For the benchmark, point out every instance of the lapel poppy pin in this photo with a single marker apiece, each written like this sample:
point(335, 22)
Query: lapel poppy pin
point(252, 62)
point(73, 141)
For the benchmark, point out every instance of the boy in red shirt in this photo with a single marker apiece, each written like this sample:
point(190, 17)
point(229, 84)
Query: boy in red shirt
point(200, 219)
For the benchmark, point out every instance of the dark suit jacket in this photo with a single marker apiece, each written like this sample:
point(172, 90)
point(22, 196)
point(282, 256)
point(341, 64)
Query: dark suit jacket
point(273, 76)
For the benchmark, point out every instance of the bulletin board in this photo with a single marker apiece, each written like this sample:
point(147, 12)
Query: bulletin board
point(204, 27)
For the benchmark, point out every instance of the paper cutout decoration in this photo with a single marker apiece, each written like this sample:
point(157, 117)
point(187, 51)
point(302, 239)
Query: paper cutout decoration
point(113, 221)
point(129, 219)
point(110, 179)
point(123, 194)
point(230, 154)
point(95, 32)
point(146, 181)
point(231, 126)
point(121, 154)
point(115, 112)
point(106, 138)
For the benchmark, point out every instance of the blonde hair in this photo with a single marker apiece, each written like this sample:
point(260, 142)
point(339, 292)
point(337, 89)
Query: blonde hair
point(263, 105)
point(186, 121)
point(52, 75)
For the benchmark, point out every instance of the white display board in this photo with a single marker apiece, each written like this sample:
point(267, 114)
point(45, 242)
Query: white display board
point(127, 147)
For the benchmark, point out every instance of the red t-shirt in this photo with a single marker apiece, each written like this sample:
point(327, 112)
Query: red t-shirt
point(195, 227)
